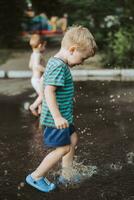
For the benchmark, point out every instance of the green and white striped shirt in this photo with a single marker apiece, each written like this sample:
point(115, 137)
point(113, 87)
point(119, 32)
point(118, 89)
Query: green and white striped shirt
point(57, 73)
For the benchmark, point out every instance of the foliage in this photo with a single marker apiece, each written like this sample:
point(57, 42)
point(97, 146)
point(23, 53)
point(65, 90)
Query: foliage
point(11, 12)
point(111, 22)
point(121, 48)
point(51, 8)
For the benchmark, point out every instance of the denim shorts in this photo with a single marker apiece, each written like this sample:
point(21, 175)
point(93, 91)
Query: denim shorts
point(54, 137)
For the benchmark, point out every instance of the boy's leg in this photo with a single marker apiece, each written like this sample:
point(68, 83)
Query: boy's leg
point(49, 161)
point(67, 160)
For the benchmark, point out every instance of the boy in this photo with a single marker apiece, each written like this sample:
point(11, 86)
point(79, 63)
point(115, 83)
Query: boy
point(36, 64)
point(77, 45)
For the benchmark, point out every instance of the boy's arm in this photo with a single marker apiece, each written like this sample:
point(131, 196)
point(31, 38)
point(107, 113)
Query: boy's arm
point(41, 68)
point(50, 97)
point(38, 64)
point(41, 65)
point(30, 63)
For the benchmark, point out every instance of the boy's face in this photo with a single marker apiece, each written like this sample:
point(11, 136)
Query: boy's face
point(77, 57)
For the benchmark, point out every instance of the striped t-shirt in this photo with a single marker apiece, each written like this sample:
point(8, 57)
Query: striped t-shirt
point(57, 73)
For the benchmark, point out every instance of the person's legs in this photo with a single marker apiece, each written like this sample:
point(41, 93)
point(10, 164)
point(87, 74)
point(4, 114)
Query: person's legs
point(67, 160)
point(49, 161)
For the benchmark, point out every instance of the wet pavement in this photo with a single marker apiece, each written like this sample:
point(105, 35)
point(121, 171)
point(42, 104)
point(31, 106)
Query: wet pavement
point(105, 156)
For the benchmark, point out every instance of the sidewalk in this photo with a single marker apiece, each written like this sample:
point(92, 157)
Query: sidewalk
point(15, 75)
point(20, 59)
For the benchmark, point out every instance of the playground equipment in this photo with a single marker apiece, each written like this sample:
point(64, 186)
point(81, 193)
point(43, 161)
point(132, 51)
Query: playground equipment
point(40, 24)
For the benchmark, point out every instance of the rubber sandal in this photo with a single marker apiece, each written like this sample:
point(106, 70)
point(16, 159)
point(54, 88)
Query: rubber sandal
point(42, 184)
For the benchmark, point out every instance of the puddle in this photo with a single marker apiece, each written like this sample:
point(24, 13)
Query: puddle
point(105, 154)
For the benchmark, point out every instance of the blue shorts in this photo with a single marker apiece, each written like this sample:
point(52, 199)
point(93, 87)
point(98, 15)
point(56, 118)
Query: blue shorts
point(54, 137)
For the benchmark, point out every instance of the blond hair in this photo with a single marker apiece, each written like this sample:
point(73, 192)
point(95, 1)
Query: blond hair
point(35, 40)
point(81, 37)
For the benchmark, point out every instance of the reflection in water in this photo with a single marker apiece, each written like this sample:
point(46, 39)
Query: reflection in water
point(105, 153)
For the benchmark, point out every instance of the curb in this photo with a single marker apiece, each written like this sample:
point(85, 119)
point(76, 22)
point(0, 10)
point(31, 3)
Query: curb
point(2, 74)
point(19, 74)
point(80, 75)
point(102, 74)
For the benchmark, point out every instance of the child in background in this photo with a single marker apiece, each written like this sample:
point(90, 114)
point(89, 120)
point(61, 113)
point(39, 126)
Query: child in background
point(77, 45)
point(36, 64)
point(35, 107)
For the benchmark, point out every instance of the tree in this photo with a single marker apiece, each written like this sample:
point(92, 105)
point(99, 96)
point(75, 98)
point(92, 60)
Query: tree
point(112, 24)
point(11, 14)
point(51, 8)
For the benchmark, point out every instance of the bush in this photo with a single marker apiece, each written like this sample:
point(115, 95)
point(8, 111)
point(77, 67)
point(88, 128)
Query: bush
point(121, 48)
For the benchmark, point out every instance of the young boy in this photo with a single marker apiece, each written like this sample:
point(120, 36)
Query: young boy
point(36, 64)
point(77, 45)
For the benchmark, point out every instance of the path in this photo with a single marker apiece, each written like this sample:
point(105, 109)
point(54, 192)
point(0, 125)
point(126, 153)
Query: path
point(19, 61)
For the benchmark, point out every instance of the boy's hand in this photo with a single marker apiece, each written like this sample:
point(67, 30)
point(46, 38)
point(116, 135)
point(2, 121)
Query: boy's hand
point(61, 122)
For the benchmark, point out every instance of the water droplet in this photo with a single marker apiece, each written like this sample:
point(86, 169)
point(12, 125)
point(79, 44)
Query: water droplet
point(130, 158)
point(118, 96)
point(111, 96)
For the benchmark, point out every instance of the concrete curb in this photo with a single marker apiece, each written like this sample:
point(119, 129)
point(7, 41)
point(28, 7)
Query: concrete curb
point(101, 74)
point(81, 75)
point(19, 74)
point(2, 74)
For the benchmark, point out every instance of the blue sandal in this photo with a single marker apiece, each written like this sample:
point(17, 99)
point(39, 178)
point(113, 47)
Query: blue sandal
point(42, 184)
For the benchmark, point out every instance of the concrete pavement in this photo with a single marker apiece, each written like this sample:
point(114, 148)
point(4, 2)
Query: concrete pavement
point(15, 75)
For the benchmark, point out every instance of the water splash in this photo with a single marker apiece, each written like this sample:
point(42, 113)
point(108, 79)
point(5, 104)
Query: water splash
point(76, 174)
point(130, 158)
point(116, 166)
point(33, 95)
point(26, 105)
point(86, 171)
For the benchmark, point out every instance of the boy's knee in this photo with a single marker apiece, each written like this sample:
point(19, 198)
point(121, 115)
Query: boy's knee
point(66, 149)
point(74, 140)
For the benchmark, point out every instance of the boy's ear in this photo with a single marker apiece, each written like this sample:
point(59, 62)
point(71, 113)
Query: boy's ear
point(39, 45)
point(72, 49)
